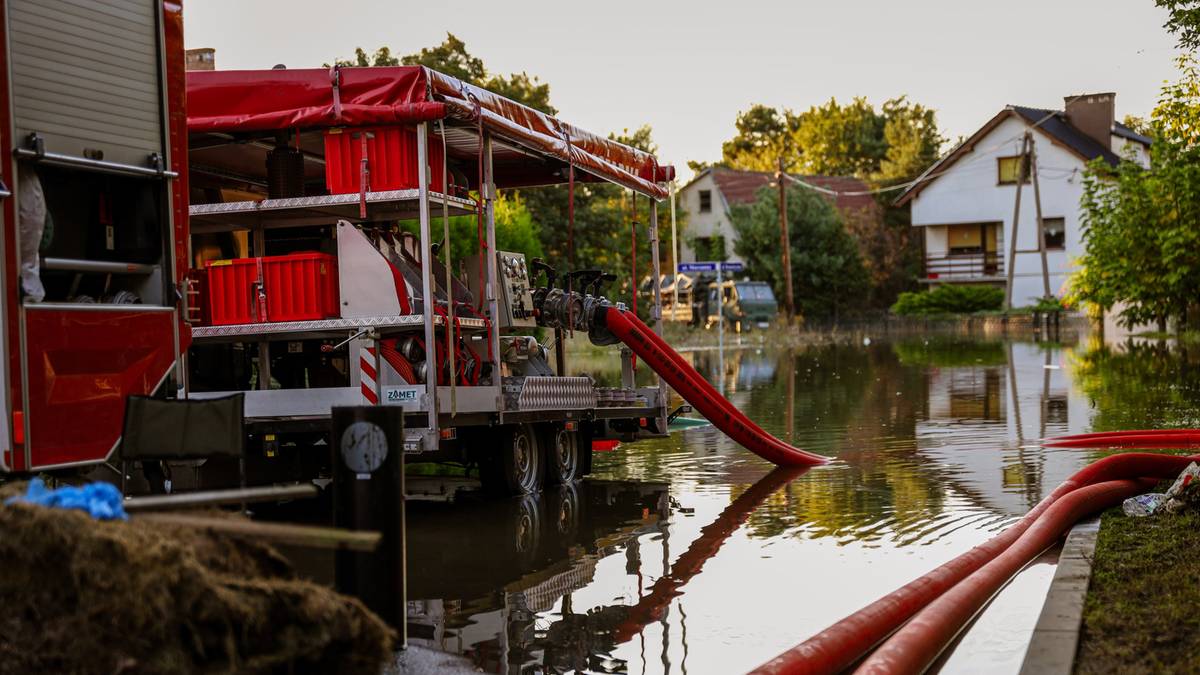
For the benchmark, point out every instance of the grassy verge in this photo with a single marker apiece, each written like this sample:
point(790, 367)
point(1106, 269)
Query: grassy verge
point(1142, 612)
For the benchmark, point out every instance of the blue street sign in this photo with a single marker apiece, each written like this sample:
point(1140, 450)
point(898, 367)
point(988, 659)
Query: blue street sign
point(711, 266)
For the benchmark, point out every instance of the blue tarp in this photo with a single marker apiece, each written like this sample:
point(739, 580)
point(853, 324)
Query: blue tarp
point(101, 501)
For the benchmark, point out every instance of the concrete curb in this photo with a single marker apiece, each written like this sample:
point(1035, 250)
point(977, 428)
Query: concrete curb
point(1056, 635)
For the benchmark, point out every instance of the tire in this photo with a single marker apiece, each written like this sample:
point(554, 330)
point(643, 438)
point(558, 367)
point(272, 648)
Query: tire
point(562, 511)
point(564, 461)
point(526, 530)
point(519, 469)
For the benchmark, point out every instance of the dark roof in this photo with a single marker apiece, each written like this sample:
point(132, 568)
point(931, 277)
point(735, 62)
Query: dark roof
point(1125, 132)
point(1054, 124)
point(740, 187)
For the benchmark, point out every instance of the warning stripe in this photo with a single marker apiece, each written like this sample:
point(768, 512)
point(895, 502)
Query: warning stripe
point(368, 376)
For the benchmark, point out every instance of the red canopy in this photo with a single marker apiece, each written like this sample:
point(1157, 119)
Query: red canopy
point(266, 100)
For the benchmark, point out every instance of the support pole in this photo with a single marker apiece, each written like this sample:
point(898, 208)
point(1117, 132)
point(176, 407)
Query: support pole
point(432, 367)
point(656, 309)
point(1041, 223)
point(487, 192)
point(1012, 236)
point(674, 260)
point(785, 244)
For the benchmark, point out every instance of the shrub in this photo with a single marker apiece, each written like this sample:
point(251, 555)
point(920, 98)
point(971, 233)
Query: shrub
point(950, 299)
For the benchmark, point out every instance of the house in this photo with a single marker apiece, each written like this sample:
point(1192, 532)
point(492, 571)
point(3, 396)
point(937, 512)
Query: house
point(710, 196)
point(965, 202)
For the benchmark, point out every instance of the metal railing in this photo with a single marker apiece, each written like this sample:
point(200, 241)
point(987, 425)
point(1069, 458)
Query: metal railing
point(964, 265)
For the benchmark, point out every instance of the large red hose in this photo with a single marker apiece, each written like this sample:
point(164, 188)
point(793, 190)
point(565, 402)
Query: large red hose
point(837, 647)
point(915, 646)
point(1162, 438)
point(697, 391)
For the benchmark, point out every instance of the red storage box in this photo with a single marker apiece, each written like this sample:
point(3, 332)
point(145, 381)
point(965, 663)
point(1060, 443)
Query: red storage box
point(391, 159)
point(296, 287)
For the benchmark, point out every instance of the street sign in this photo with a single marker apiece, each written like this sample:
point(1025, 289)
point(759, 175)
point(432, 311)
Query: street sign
point(711, 266)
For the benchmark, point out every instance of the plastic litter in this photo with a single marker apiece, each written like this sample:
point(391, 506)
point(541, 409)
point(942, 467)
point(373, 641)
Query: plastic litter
point(1143, 505)
point(1184, 493)
point(100, 500)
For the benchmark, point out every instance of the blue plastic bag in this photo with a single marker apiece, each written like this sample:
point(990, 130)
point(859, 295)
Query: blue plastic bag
point(100, 500)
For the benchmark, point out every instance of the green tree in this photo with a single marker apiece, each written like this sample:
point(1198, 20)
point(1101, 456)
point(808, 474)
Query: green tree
point(890, 145)
point(1183, 20)
point(515, 229)
point(828, 277)
point(1141, 227)
point(764, 135)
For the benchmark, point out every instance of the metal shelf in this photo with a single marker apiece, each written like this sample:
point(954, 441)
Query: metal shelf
point(320, 210)
point(294, 330)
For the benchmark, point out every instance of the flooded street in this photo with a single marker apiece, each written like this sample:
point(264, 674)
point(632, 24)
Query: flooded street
point(689, 554)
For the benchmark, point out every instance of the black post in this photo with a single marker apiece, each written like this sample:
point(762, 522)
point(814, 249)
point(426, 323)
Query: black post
point(368, 454)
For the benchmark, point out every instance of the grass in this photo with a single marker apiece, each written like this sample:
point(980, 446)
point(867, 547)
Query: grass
point(1142, 612)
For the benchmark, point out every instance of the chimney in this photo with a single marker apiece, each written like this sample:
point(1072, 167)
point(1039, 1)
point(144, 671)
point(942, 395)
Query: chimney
point(1094, 115)
point(204, 58)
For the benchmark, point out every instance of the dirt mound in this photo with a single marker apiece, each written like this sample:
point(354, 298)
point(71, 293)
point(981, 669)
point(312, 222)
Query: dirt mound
point(82, 596)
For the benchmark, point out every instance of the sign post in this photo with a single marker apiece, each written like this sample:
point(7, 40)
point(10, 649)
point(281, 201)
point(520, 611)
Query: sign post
point(718, 267)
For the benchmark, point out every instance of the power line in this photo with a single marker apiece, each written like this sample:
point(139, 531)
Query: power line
point(927, 176)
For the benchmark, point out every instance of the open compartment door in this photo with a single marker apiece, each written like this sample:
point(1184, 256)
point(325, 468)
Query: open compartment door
point(82, 363)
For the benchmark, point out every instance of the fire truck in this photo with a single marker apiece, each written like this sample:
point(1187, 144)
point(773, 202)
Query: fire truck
point(282, 238)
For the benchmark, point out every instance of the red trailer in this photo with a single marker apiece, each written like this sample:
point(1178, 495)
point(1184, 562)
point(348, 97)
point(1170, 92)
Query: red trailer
point(93, 205)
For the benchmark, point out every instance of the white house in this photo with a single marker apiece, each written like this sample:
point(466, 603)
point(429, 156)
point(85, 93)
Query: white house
point(965, 206)
point(709, 196)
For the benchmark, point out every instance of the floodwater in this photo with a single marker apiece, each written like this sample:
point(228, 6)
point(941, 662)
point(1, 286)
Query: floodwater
point(691, 555)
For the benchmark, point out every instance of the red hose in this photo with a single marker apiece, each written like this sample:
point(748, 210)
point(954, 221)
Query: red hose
point(1181, 438)
point(915, 646)
point(697, 391)
point(837, 647)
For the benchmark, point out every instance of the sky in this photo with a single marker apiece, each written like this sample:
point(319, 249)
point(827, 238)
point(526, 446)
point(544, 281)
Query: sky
point(688, 68)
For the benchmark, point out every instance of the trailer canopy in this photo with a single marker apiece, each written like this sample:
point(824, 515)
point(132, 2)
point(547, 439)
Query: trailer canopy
point(534, 148)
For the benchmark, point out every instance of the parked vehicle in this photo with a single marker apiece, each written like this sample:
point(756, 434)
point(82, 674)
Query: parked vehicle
point(746, 305)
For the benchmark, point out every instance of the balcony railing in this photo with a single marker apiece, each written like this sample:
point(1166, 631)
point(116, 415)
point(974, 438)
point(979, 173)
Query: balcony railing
point(963, 266)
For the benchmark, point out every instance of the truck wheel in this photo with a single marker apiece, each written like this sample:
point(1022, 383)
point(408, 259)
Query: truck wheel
point(563, 458)
point(518, 469)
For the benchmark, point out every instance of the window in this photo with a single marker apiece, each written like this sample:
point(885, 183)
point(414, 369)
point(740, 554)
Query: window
point(709, 248)
point(706, 201)
point(1054, 233)
point(1007, 170)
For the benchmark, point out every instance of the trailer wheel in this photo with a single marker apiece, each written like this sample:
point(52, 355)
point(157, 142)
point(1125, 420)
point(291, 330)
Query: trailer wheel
point(518, 470)
point(563, 458)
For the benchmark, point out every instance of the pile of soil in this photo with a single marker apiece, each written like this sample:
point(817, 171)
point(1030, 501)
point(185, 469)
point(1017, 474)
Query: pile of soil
point(82, 596)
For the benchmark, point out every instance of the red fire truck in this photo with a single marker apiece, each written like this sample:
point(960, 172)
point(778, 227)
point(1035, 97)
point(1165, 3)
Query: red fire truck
point(93, 136)
point(283, 241)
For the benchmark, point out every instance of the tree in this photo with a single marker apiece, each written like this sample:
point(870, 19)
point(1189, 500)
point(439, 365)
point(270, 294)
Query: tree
point(764, 135)
point(516, 229)
point(828, 278)
point(891, 145)
point(1183, 20)
point(1141, 227)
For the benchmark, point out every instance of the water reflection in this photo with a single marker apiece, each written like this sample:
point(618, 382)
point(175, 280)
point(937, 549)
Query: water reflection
point(683, 556)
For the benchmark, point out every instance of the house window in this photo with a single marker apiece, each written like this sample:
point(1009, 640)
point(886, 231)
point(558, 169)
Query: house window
point(1054, 233)
point(709, 248)
point(1007, 168)
point(705, 201)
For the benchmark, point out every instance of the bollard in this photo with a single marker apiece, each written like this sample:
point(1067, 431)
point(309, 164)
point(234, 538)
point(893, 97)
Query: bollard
point(368, 484)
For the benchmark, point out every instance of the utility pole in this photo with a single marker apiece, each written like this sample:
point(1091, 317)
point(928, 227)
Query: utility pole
point(1012, 236)
point(1041, 224)
point(785, 242)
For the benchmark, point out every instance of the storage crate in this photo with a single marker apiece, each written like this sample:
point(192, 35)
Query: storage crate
point(296, 287)
point(391, 159)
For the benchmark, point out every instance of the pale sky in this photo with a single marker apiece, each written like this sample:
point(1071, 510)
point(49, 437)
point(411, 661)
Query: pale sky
point(687, 68)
